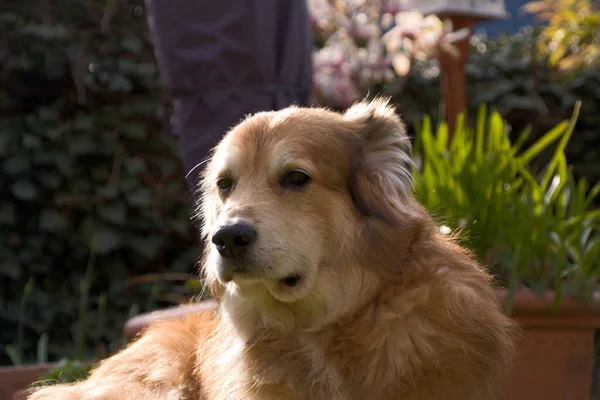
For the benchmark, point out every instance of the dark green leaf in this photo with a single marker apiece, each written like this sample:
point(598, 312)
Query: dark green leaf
point(51, 221)
point(24, 190)
point(104, 241)
point(115, 213)
point(140, 198)
point(10, 269)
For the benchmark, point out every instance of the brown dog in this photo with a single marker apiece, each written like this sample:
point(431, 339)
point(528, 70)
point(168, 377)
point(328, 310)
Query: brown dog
point(332, 281)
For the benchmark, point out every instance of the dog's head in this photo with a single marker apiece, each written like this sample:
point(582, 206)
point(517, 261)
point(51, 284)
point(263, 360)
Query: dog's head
point(298, 208)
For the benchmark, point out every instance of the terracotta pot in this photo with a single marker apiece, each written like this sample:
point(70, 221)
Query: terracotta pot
point(139, 322)
point(555, 354)
point(17, 378)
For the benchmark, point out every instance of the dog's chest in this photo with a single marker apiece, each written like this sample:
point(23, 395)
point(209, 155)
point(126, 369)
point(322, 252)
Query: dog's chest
point(265, 370)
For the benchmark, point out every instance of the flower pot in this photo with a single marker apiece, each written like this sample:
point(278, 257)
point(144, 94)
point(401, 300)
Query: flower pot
point(555, 353)
point(136, 324)
point(17, 378)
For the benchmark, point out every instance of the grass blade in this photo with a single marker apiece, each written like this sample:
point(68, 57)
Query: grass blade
point(542, 143)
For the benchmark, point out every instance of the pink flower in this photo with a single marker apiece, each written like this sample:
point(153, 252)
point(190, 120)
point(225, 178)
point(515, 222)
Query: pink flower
point(356, 54)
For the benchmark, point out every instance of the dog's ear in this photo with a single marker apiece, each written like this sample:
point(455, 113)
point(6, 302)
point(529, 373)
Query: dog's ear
point(380, 180)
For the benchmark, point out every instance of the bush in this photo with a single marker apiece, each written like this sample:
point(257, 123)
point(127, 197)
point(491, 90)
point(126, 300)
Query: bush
point(92, 193)
point(85, 173)
point(533, 230)
point(505, 74)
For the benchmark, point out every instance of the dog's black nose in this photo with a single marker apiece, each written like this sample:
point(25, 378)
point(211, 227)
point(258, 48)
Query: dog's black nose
point(234, 239)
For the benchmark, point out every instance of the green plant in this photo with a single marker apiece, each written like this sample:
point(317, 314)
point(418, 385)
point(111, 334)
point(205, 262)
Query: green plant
point(571, 38)
point(83, 156)
point(15, 351)
point(65, 371)
point(534, 230)
point(506, 74)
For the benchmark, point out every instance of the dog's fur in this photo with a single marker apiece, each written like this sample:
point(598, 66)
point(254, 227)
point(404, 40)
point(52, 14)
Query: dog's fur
point(386, 307)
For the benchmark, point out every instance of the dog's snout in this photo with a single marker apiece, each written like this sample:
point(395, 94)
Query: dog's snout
point(233, 239)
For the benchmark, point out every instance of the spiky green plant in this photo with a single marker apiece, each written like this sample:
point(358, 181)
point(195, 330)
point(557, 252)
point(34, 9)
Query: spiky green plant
point(533, 230)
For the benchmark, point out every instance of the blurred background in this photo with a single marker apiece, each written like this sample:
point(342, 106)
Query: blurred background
point(95, 221)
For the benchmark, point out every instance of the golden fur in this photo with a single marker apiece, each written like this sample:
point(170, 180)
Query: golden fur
point(386, 307)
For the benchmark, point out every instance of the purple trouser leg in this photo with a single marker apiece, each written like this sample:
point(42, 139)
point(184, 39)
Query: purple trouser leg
point(222, 60)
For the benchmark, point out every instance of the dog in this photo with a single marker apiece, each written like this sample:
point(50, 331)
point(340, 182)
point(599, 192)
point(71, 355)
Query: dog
point(332, 281)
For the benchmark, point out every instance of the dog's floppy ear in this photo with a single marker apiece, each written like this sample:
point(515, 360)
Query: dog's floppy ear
point(380, 180)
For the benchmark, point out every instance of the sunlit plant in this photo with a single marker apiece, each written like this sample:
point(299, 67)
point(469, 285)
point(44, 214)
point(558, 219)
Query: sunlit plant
point(570, 38)
point(536, 231)
point(364, 45)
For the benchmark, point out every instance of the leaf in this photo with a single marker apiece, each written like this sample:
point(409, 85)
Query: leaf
point(120, 83)
point(82, 145)
point(135, 165)
point(542, 143)
point(16, 165)
point(13, 354)
point(24, 190)
point(115, 213)
point(49, 179)
point(51, 221)
point(46, 32)
point(479, 132)
point(105, 241)
point(10, 269)
point(7, 214)
point(42, 349)
point(560, 149)
point(146, 246)
point(594, 192)
point(65, 371)
point(108, 192)
point(132, 44)
point(140, 198)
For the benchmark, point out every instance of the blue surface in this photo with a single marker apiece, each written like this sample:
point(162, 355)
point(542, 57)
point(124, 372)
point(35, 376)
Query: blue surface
point(516, 20)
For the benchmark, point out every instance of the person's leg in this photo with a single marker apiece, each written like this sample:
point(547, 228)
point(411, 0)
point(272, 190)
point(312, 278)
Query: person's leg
point(223, 60)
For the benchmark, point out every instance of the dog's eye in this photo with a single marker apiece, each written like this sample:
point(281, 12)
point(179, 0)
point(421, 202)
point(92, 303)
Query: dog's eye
point(295, 179)
point(225, 185)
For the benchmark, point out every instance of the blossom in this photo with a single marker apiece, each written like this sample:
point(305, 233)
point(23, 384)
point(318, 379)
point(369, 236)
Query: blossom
point(364, 44)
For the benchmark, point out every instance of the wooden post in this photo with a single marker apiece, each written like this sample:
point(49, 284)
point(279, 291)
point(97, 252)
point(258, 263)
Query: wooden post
point(453, 83)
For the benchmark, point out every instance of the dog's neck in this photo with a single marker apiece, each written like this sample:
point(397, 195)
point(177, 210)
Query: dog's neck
point(322, 351)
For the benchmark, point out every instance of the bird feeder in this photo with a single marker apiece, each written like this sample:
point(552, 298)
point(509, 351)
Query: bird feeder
point(463, 14)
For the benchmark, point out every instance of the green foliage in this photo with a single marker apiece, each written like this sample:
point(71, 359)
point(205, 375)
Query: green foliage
point(536, 230)
point(65, 371)
point(570, 40)
point(505, 74)
point(85, 168)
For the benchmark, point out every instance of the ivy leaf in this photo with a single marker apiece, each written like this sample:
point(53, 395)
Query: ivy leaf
point(15, 165)
point(141, 197)
point(7, 214)
point(115, 213)
point(120, 83)
point(10, 269)
point(24, 190)
point(49, 179)
point(146, 246)
point(51, 221)
point(132, 43)
point(106, 241)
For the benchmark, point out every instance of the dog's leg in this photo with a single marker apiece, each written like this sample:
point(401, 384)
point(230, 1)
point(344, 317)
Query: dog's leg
point(159, 365)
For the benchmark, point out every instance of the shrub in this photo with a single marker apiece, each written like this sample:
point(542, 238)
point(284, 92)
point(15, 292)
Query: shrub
point(507, 74)
point(533, 230)
point(85, 170)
